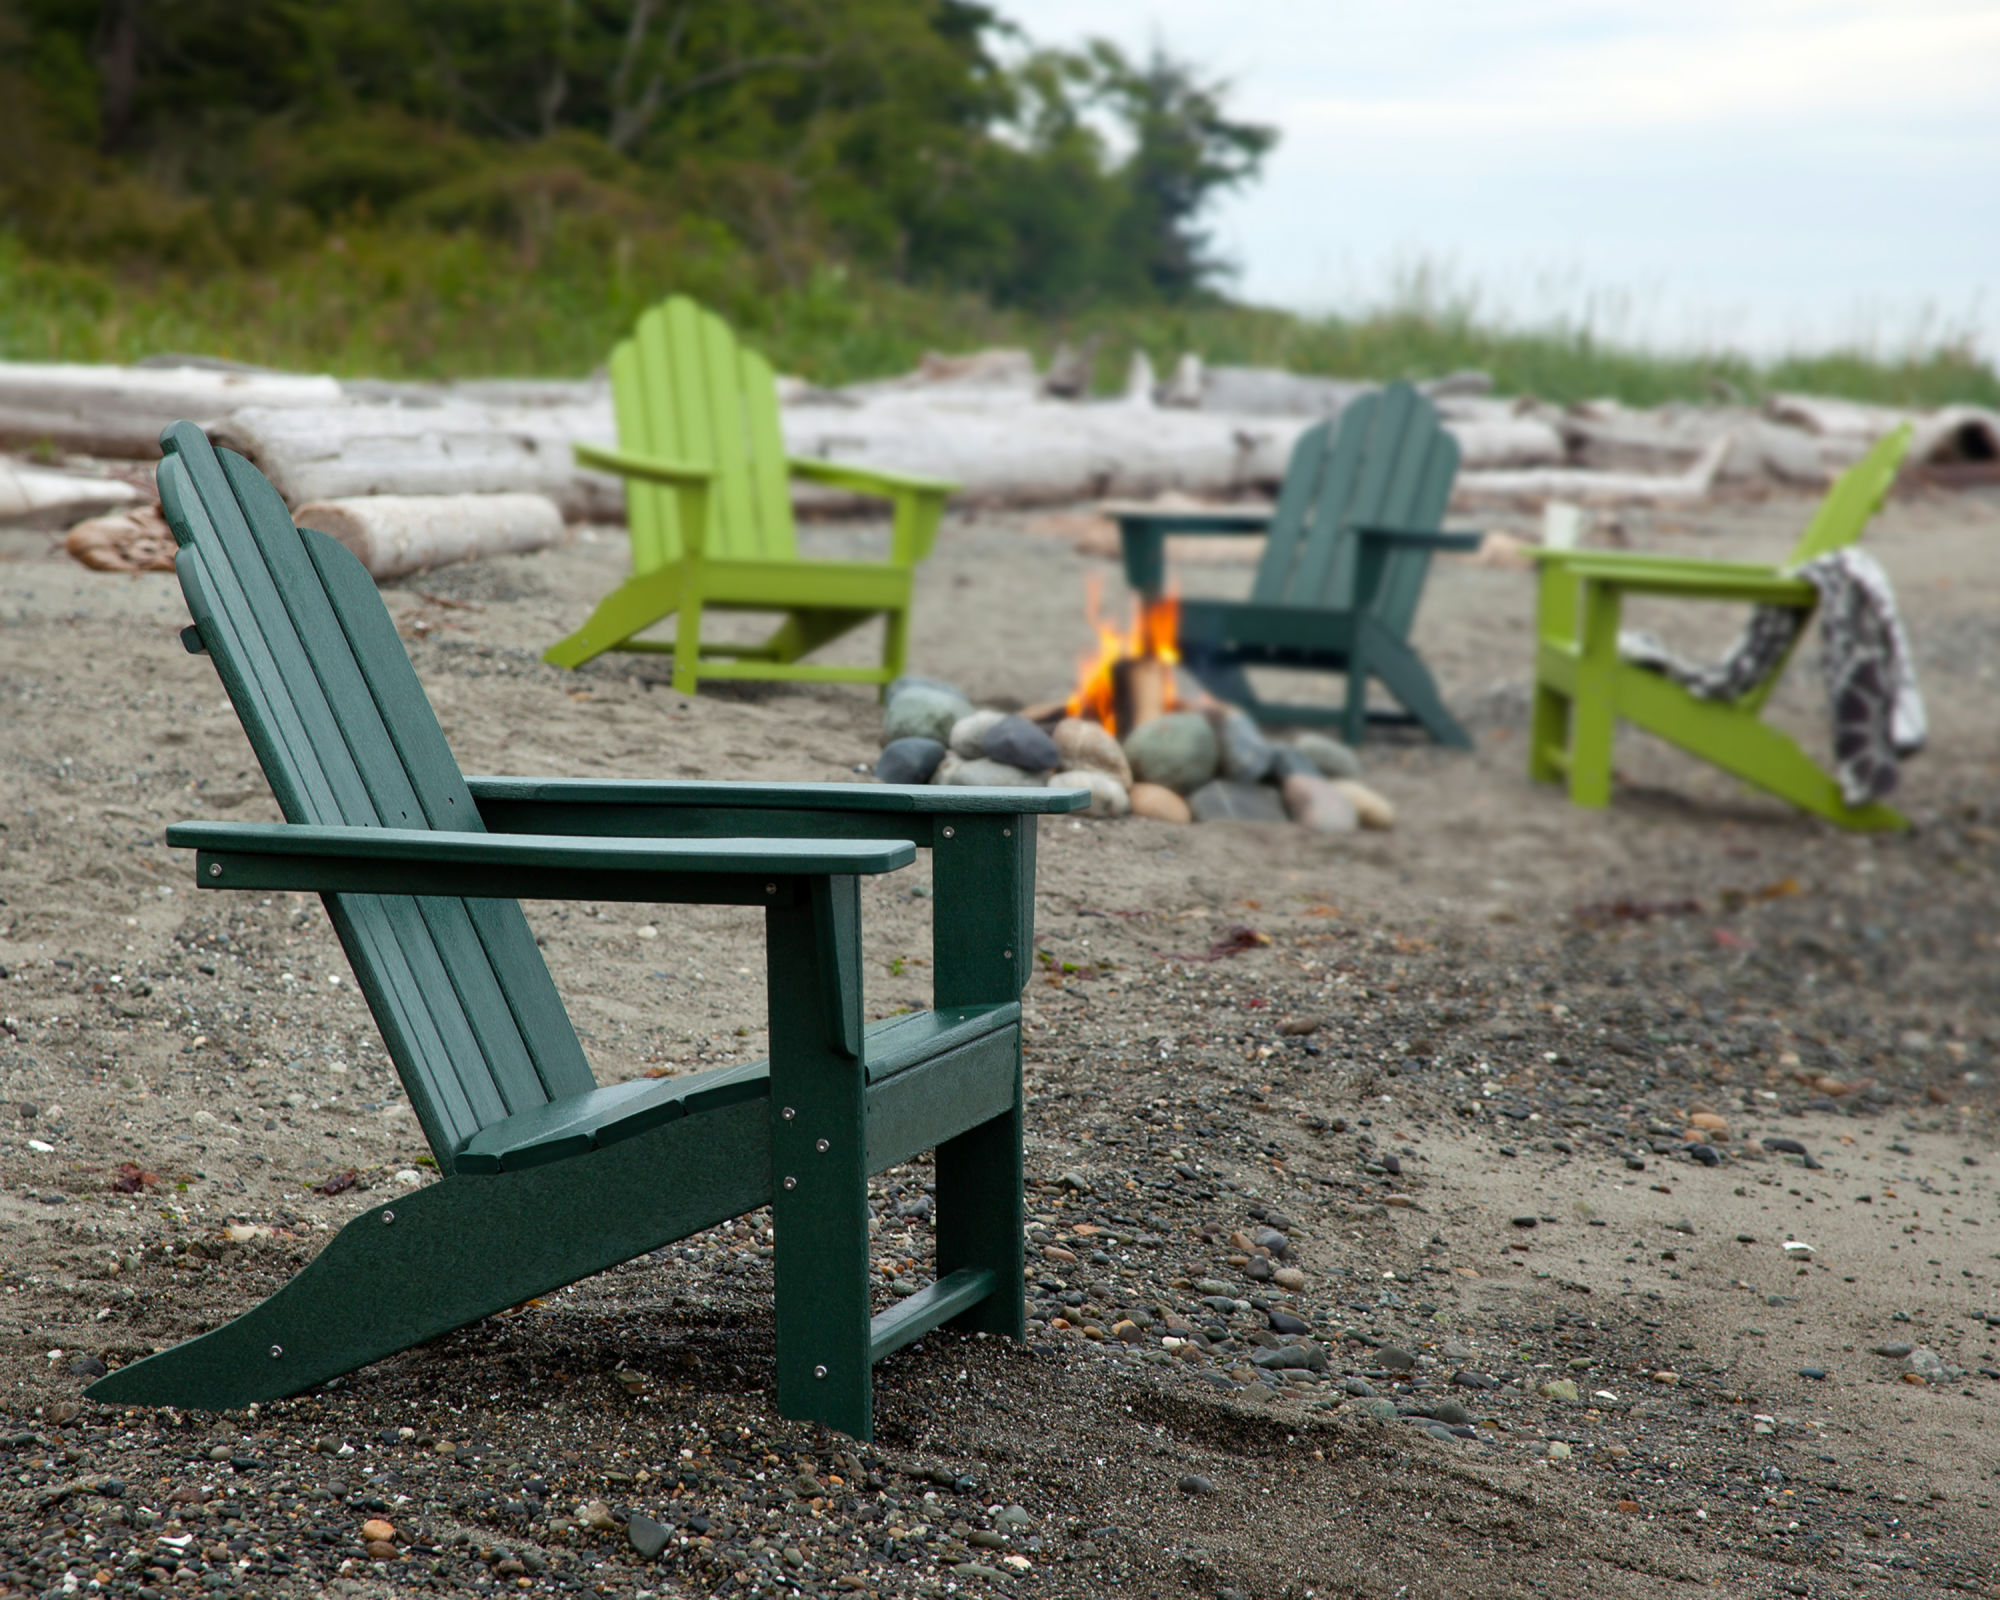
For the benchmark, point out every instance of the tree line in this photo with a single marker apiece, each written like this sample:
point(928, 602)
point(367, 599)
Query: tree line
point(924, 140)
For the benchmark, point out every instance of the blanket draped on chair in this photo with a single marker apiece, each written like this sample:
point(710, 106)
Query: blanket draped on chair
point(1871, 676)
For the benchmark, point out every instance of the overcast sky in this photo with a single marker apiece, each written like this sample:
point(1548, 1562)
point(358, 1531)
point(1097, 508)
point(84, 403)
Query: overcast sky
point(1770, 174)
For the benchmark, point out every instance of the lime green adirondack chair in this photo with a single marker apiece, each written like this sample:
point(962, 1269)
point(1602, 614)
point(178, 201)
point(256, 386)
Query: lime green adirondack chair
point(710, 511)
point(1582, 688)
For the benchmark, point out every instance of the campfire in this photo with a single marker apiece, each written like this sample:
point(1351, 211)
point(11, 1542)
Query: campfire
point(1138, 735)
point(1131, 679)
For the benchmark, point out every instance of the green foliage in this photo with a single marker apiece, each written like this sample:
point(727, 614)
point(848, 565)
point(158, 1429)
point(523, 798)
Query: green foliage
point(435, 187)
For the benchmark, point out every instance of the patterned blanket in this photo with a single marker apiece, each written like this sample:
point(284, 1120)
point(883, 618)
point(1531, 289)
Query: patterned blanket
point(1871, 677)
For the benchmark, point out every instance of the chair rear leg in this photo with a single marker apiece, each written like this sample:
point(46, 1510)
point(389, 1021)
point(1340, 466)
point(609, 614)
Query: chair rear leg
point(687, 645)
point(631, 608)
point(454, 1251)
point(895, 646)
point(980, 1218)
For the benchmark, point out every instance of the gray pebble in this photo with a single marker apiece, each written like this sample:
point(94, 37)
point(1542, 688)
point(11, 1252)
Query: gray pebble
point(1395, 1358)
point(1019, 743)
point(648, 1537)
point(1246, 753)
point(1228, 800)
point(1177, 751)
point(1195, 1483)
point(1358, 1386)
point(923, 712)
point(1333, 758)
point(910, 760)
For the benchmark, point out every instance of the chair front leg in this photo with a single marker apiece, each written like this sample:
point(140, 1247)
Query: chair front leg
point(819, 1178)
point(1593, 714)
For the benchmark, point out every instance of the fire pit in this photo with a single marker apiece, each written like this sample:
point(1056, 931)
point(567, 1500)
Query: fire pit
point(1143, 737)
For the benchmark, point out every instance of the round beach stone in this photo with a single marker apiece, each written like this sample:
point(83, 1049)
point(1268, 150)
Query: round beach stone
point(1245, 752)
point(1287, 762)
point(1318, 804)
point(1373, 810)
point(968, 734)
point(1178, 751)
point(908, 761)
point(1160, 803)
point(1333, 758)
point(1223, 800)
point(1108, 797)
point(924, 712)
point(1018, 742)
point(981, 773)
point(1083, 743)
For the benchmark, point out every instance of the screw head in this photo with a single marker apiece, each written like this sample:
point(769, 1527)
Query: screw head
point(788, 1113)
point(388, 1217)
point(821, 1147)
point(947, 833)
point(1006, 955)
point(1006, 833)
point(770, 888)
point(819, 1372)
point(277, 1352)
point(215, 869)
point(791, 1183)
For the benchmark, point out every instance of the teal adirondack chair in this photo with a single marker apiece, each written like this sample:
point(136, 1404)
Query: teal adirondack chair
point(547, 1176)
point(1349, 546)
point(1582, 688)
point(710, 511)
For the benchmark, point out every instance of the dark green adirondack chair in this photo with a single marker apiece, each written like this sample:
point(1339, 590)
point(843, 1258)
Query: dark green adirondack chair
point(1349, 546)
point(707, 497)
point(548, 1177)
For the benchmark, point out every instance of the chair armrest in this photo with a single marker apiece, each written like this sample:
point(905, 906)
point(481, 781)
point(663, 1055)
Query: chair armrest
point(653, 469)
point(1420, 538)
point(1143, 532)
point(866, 480)
point(412, 861)
point(1712, 580)
point(621, 807)
point(1192, 519)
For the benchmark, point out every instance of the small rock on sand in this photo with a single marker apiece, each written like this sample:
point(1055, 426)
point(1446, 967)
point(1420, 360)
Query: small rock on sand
point(922, 711)
point(1159, 802)
point(1333, 758)
point(1226, 800)
point(1108, 797)
point(908, 761)
point(1370, 807)
point(984, 774)
point(968, 734)
point(1083, 743)
point(1018, 742)
point(1318, 804)
point(1177, 751)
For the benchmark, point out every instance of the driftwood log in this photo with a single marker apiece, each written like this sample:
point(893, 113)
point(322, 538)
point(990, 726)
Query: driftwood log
point(39, 497)
point(394, 534)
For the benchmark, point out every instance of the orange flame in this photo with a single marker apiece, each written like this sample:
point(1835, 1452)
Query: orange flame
point(1153, 635)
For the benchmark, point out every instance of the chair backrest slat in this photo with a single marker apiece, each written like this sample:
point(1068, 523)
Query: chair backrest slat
point(346, 735)
point(1857, 494)
point(685, 390)
point(1388, 463)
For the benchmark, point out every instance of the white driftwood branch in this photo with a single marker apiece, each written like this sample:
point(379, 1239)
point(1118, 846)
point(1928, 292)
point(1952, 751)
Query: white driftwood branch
point(394, 534)
point(119, 411)
point(1579, 483)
